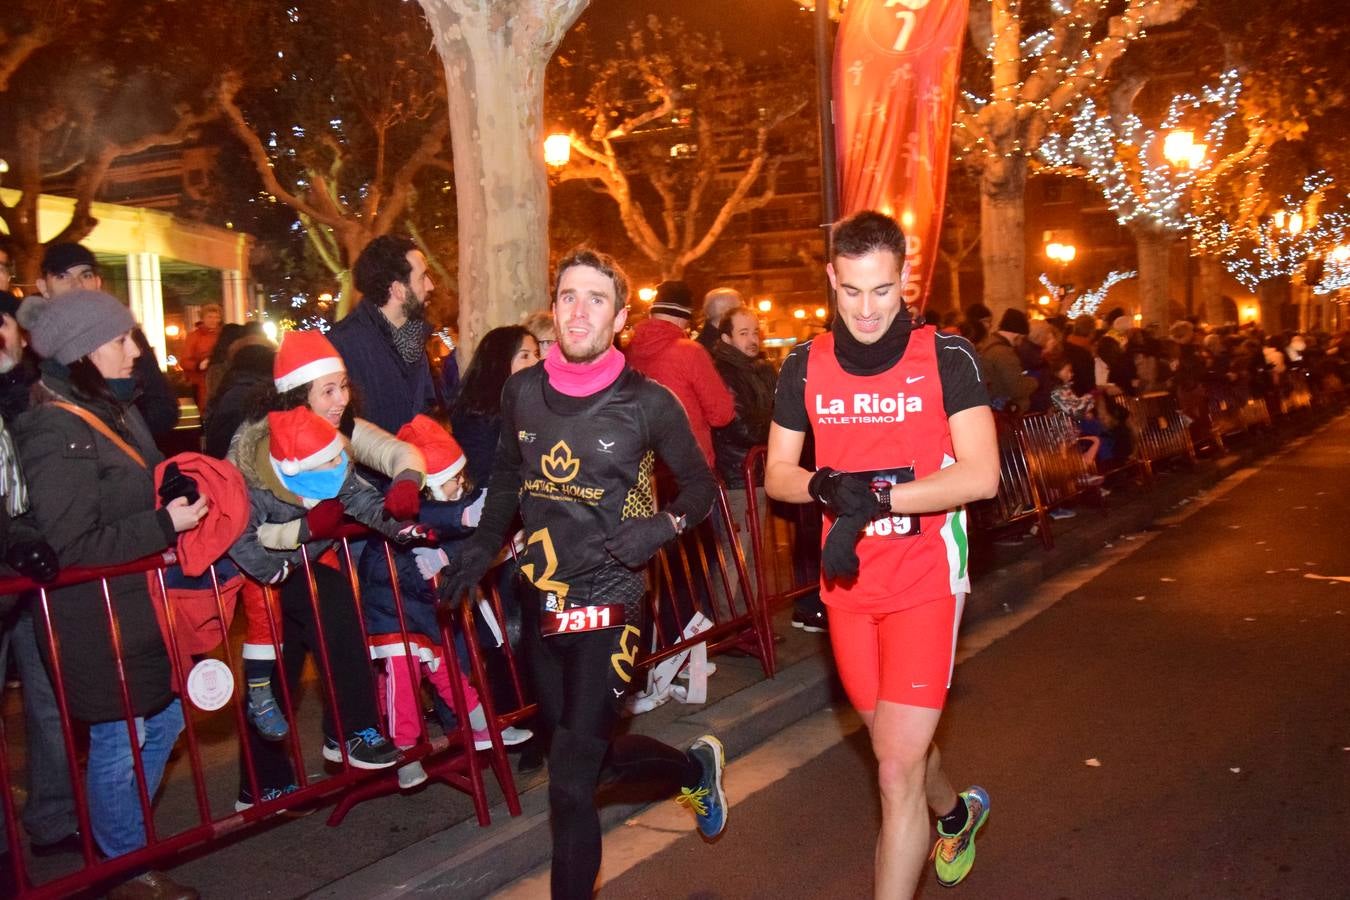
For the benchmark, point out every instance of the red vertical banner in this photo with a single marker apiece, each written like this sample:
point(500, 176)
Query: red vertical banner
point(896, 73)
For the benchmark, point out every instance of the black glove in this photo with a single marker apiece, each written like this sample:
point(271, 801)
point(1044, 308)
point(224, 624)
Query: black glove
point(638, 540)
point(843, 494)
point(465, 570)
point(33, 559)
point(839, 557)
point(176, 484)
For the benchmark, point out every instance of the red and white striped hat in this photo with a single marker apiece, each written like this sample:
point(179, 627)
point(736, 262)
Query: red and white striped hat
point(301, 440)
point(442, 452)
point(302, 357)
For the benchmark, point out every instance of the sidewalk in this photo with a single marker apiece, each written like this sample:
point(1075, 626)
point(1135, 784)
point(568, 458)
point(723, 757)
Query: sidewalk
point(744, 709)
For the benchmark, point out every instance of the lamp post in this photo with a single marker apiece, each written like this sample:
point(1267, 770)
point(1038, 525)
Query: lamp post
point(557, 150)
point(1061, 254)
point(1183, 153)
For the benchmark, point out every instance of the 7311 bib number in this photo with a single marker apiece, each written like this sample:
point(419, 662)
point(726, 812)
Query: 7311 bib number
point(581, 618)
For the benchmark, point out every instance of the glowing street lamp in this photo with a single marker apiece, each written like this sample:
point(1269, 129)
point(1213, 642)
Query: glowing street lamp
point(647, 294)
point(557, 149)
point(1060, 253)
point(821, 312)
point(765, 305)
point(799, 313)
point(1182, 151)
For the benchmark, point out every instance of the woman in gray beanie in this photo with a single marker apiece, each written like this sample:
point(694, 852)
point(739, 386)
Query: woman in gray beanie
point(90, 464)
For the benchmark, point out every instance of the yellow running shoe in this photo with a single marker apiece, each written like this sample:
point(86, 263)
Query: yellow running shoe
point(954, 855)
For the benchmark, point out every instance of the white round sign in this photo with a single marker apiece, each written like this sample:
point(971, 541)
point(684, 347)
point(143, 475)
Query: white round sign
point(210, 685)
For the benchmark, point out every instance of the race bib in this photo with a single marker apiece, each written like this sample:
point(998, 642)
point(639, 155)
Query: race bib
point(887, 525)
point(581, 618)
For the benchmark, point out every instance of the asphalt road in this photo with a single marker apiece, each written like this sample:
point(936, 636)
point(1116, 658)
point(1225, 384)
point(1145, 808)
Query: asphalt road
point(1177, 726)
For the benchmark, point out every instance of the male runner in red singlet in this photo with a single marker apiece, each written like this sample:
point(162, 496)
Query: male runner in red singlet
point(903, 438)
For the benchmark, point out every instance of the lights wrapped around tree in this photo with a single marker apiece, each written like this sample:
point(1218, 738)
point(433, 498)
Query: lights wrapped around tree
point(1126, 159)
point(1281, 244)
point(1335, 271)
point(1089, 301)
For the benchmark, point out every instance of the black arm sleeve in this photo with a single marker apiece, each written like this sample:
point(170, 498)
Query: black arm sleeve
point(503, 491)
point(789, 401)
point(674, 443)
point(963, 384)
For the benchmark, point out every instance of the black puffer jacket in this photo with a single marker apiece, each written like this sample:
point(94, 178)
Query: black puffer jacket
point(96, 506)
point(752, 383)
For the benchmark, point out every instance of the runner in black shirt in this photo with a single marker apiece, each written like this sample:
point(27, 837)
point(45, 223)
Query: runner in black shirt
point(578, 441)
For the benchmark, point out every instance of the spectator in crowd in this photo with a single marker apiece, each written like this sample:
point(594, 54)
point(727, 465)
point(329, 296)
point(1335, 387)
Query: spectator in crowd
point(1010, 387)
point(662, 351)
point(6, 270)
point(246, 378)
point(67, 268)
point(49, 813)
point(980, 314)
point(297, 469)
point(476, 419)
point(716, 304)
point(751, 379)
point(383, 339)
point(89, 458)
point(1078, 350)
point(201, 343)
point(452, 509)
point(540, 325)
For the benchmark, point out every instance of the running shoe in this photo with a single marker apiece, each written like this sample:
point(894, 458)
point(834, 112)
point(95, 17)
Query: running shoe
point(266, 716)
point(953, 855)
point(411, 775)
point(511, 736)
point(708, 800)
point(1062, 512)
point(813, 621)
point(245, 801)
point(366, 749)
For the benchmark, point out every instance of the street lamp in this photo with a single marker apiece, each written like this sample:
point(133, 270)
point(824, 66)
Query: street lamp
point(557, 149)
point(799, 313)
point(765, 305)
point(1182, 152)
point(1061, 254)
point(647, 294)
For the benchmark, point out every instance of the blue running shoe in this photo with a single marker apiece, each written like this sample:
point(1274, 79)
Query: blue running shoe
point(265, 715)
point(708, 800)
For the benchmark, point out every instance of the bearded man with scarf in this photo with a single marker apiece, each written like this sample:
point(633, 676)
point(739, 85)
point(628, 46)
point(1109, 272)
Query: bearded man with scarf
point(903, 438)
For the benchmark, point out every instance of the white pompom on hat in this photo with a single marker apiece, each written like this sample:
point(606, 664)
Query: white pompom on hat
point(301, 440)
point(442, 452)
point(302, 357)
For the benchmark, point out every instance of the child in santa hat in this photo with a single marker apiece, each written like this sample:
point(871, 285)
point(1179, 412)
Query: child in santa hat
point(296, 467)
point(452, 510)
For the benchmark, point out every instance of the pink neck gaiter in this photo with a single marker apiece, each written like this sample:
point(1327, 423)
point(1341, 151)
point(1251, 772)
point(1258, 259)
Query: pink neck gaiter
point(582, 379)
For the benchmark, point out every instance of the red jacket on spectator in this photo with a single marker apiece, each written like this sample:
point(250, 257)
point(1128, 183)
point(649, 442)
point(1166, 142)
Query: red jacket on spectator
point(661, 351)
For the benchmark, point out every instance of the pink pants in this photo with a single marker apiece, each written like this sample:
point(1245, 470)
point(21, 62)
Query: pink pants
point(402, 697)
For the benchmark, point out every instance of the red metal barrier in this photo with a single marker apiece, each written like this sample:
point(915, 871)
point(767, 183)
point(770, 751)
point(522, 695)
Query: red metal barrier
point(451, 759)
point(777, 536)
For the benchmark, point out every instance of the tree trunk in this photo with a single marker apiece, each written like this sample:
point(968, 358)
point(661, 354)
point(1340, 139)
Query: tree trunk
point(494, 56)
point(1154, 248)
point(1272, 295)
point(1210, 289)
point(1003, 250)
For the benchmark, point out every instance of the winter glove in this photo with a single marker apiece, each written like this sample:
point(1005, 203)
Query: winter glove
point(839, 557)
point(473, 513)
point(176, 484)
point(843, 494)
point(416, 533)
point(638, 540)
point(430, 561)
point(465, 570)
point(403, 500)
point(323, 521)
point(33, 559)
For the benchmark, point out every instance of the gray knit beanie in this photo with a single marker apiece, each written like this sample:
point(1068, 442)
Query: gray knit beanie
point(76, 324)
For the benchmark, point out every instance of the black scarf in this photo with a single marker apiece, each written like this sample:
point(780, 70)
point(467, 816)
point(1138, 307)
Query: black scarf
point(857, 358)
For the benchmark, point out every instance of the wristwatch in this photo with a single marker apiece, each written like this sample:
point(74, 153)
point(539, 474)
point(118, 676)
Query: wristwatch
point(883, 496)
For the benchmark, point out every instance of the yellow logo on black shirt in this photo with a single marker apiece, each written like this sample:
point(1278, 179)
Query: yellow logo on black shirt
point(559, 465)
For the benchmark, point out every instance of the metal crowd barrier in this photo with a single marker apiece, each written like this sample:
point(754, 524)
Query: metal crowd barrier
point(450, 758)
point(780, 538)
point(1160, 432)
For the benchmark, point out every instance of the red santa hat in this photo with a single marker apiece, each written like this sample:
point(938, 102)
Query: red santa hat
point(302, 357)
point(301, 440)
point(442, 452)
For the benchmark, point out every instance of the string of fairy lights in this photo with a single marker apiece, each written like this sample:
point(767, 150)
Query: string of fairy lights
point(1125, 158)
point(1282, 244)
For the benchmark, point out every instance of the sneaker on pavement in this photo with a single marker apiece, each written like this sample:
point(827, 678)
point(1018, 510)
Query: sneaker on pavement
point(708, 800)
point(152, 885)
point(1062, 512)
point(511, 736)
point(245, 801)
point(953, 855)
point(813, 621)
point(266, 716)
point(411, 775)
point(366, 749)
